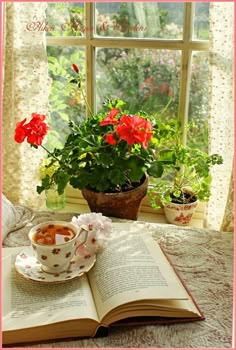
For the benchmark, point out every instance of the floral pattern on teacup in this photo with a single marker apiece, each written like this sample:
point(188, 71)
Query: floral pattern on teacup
point(56, 251)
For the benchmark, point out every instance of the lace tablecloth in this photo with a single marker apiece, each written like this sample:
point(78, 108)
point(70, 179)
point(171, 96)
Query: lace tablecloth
point(204, 260)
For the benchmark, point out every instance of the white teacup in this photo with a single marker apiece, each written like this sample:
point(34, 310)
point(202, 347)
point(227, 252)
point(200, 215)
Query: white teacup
point(54, 244)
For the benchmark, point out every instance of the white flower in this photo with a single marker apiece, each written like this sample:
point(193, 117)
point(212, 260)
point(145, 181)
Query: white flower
point(98, 229)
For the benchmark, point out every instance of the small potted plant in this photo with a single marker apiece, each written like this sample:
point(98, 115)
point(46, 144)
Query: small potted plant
point(186, 177)
point(108, 156)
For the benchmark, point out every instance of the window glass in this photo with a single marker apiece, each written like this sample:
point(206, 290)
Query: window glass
point(146, 79)
point(201, 21)
point(140, 19)
point(65, 19)
point(198, 100)
point(66, 100)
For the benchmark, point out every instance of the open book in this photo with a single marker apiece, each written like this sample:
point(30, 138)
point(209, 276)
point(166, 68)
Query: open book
point(131, 282)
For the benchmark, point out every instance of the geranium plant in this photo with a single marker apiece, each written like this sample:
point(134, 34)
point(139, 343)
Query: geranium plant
point(111, 151)
point(186, 175)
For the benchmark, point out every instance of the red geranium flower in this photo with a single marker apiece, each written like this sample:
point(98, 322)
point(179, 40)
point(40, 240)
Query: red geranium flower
point(135, 129)
point(37, 129)
point(34, 131)
point(76, 69)
point(146, 133)
point(20, 131)
point(110, 138)
point(109, 119)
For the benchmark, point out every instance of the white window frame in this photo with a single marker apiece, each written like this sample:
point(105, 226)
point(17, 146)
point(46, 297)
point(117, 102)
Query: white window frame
point(186, 45)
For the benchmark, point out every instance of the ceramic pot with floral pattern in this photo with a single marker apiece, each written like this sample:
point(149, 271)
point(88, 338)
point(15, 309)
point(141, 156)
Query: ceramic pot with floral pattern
point(180, 214)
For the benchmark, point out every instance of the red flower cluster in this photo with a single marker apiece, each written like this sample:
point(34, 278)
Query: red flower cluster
point(132, 129)
point(34, 131)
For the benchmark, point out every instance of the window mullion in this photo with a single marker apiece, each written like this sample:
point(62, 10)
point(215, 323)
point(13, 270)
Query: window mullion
point(90, 73)
point(186, 68)
point(131, 43)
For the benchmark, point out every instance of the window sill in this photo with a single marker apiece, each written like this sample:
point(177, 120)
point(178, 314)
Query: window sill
point(75, 203)
point(146, 214)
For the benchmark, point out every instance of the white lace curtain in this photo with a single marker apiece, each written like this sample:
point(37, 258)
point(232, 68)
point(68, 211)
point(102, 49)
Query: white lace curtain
point(26, 86)
point(25, 90)
point(221, 120)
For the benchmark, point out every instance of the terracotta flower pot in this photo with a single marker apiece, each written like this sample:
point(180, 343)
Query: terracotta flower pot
point(180, 214)
point(124, 205)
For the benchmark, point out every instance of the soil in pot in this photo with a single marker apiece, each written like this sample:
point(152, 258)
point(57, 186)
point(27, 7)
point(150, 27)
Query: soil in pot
point(185, 198)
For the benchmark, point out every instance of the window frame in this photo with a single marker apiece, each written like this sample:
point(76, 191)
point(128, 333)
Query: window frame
point(186, 45)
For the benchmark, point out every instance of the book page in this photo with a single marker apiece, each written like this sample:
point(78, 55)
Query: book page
point(29, 303)
point(132, 267)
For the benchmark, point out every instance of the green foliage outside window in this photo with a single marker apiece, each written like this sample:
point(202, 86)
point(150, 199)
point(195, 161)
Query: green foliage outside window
point(66, 101)
point(145, 78)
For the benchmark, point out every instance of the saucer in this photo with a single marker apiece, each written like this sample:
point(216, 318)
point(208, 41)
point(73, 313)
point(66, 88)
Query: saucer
point(28, 266)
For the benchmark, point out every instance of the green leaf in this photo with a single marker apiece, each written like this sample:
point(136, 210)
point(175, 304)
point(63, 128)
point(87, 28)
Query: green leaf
point(80, 181)
point(62, 180)
point(46, 184)
point(136, 168)
point(167, 156)
point(52, 60)
point(117, 177)
point(177, 193)
point(106, 159)
point(156, 169)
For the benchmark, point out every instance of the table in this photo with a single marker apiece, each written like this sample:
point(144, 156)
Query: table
point(204, 260)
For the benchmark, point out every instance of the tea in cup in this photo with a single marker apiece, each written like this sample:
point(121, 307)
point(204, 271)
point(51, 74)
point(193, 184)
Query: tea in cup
point(54, 244)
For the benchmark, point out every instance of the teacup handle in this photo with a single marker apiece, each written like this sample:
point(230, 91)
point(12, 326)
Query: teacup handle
point(83, 229)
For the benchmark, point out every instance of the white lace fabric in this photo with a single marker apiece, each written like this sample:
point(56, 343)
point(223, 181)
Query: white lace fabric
point(221, 118)
point(26, 90)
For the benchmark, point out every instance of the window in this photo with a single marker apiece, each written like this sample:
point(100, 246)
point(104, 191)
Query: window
point(145, 53)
